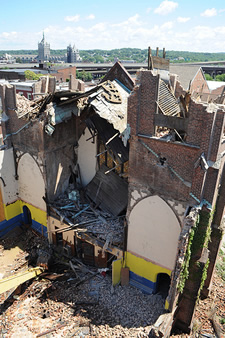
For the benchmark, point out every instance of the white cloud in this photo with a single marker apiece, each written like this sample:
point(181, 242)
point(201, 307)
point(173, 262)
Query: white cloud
point(99, 27)
point(132, 32)
point(9, 35)
point(148, 10)
point(90, 17)
point(182, 19)
point(133, 20)
point(209, 12)
point(167, 25)
point(166, 7)
point(74, 18)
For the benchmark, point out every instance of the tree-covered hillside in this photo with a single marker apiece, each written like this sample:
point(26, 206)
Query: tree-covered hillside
point(128, 54)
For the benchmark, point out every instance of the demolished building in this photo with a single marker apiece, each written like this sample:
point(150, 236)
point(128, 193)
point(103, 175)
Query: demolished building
point(74, 163)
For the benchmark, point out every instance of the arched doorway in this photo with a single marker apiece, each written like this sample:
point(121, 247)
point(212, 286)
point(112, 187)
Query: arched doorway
point(163, 284)
point(27, 215)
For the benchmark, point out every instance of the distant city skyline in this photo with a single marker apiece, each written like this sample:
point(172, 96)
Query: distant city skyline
point(176, 25)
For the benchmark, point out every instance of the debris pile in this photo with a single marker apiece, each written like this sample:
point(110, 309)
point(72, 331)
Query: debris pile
point(84, 217)
point(72, 299)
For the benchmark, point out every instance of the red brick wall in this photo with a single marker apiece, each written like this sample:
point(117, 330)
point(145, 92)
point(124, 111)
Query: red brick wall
point(144, 104)
point(204, 133)
point(145, 168)
point(218, 91)
point(199, 84)
point(63, 74)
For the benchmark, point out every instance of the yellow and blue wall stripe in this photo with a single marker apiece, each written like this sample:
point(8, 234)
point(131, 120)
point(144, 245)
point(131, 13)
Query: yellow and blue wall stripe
point(143, 273)
point(15, 216)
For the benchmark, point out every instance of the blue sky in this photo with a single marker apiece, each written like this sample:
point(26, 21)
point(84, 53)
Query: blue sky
point(176, 25)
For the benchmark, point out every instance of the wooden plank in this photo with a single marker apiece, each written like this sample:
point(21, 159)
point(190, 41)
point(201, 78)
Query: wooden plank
point(109, 192)
point(173, 122)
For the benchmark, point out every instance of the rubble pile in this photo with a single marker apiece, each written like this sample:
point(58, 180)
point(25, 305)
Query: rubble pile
point(94, 309)
point(23, 105)
point(72, 299)
point(85, 217)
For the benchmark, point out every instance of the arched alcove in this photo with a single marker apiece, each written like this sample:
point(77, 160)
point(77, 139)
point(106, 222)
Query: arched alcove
point(31, 182)
point(153, 232)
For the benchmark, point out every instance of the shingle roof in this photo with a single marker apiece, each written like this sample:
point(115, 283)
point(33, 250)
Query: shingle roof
point(186, 73)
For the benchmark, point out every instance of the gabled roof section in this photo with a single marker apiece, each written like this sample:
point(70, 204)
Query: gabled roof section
point(186, 73)
point(120, 73)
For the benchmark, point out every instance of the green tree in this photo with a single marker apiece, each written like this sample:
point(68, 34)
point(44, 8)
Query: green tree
point(208, 77)
point(220, 77)
point(84, 76)
point(29, 75)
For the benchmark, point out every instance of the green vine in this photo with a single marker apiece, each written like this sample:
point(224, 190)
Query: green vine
point(199, 238)
point(185, 266)
point(204, 276)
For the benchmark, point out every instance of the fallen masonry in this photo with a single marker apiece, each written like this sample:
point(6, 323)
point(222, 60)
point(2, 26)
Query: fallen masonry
point(72, 301)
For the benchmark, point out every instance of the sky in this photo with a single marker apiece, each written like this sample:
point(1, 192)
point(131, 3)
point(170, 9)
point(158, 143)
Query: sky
point(186, 25)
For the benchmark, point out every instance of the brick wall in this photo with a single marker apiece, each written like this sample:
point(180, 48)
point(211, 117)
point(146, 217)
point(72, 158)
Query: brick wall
point(199, 84)
point(181, 172)
point(144, 104)
point(218, 91)
point(63, 74)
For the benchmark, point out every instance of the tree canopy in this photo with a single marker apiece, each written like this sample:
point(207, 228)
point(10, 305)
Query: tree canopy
point(29, 75)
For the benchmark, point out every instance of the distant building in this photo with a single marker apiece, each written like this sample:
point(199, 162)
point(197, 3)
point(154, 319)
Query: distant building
point(43, 50)
point(73, 54)
point(7, 58)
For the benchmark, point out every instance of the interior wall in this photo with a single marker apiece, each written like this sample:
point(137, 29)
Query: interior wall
point(153, 232)
point(31, 182)
point(87, 157)
point(7, 173)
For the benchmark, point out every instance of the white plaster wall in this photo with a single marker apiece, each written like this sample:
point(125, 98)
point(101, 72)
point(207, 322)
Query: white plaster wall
point(153, 232)
point(7, 172)
point(31, 182)
point(87, 157)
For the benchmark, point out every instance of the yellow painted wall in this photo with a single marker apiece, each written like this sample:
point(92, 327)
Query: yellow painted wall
point(12, 210)
point(144, 268)
point(16, 208)
point(116, 271)
point(37, 215)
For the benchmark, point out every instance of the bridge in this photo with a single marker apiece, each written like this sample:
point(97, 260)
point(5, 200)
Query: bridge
point(97, 70)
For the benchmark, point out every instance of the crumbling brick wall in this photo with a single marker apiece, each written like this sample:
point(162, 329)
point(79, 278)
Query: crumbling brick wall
point(170, 168)
point(199, 84)
point(184, 173)
point(54, 154)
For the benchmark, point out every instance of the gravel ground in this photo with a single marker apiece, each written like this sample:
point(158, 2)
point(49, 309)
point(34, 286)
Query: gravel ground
point(61, 308)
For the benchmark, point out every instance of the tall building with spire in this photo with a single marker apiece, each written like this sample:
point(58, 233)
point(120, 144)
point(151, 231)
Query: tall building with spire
point(43, 50)
point(73, 54)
